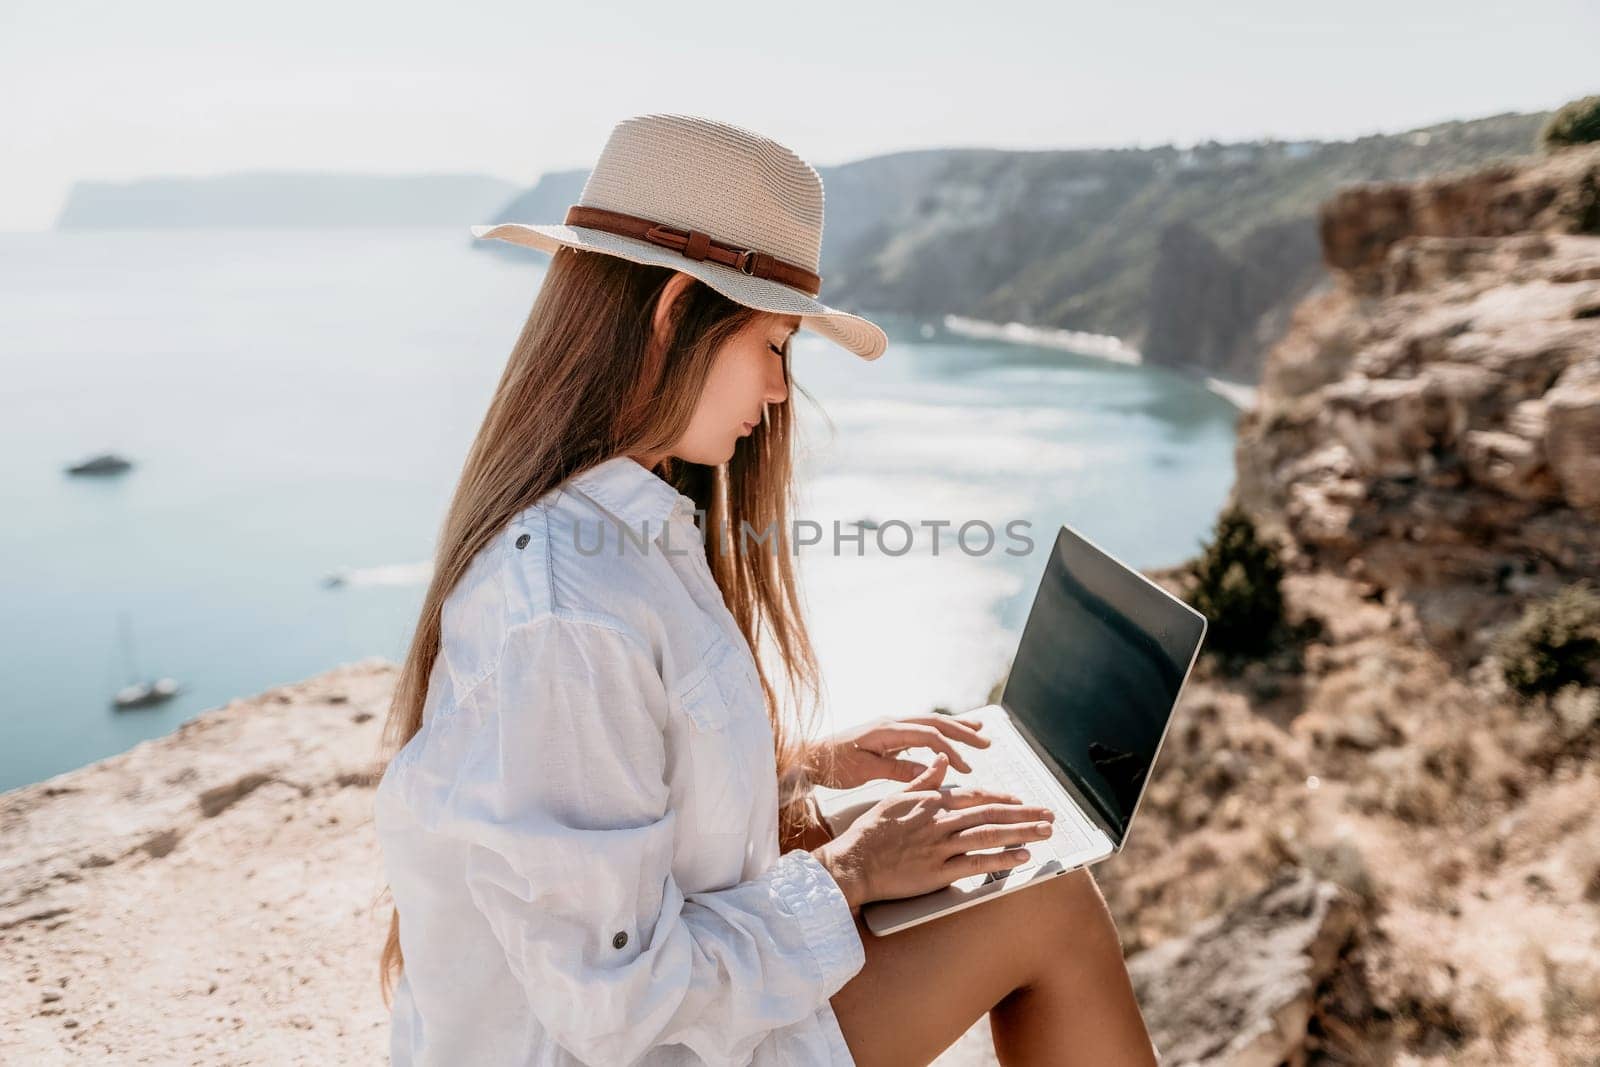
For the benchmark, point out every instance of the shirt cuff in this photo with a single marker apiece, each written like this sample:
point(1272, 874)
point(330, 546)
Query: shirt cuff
point(808, 893)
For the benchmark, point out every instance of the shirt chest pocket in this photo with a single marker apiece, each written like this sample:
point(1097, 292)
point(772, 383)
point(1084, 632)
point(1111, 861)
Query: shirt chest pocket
point(721, 704)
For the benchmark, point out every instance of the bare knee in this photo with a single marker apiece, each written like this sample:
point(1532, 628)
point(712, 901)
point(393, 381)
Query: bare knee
point(1083, 909)
point(1062, 904)
point(1080, 892)
point(1080, 997)
point(1068, 927)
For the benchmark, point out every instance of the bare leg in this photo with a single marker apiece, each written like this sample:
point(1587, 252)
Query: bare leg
point(1045, 963)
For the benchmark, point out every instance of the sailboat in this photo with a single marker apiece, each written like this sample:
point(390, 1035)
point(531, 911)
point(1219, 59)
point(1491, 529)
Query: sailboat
point(140, 693)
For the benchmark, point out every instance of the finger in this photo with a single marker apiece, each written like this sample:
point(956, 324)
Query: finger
point(961, 729)
point(998, 815)
point(947, 725)
point(959, 866)
point(929, 779)
point(965, 796)
point(903, 770)
point(899, 736)
point(929, 736)
point(990, 835)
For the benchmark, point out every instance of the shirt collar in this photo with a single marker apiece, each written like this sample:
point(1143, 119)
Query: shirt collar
point(624, 487)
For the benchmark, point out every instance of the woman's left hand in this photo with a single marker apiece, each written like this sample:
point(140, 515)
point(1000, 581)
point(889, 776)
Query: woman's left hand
point(863, 753)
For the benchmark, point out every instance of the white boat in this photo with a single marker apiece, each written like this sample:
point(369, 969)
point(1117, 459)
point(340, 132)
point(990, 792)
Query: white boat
point(140, 694)
point(144, 694)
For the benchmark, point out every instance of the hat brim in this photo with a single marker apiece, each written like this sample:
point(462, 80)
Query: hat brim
point(866, 339)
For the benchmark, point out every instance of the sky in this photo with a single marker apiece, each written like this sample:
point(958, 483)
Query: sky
point(114, 91)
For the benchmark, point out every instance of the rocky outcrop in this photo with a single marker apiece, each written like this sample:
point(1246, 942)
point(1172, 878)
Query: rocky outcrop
point(1432, 426)
point(1362, 225)
point(1241, 989)
point(1425, 449)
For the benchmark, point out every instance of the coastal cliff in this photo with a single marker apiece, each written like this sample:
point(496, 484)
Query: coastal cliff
point(1194, 256)
point(1427, 453)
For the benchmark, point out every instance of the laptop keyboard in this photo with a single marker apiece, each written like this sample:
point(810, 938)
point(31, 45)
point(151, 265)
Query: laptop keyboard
point(1002, 766)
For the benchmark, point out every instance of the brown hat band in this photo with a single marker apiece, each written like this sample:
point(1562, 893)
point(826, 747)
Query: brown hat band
point(693, 244)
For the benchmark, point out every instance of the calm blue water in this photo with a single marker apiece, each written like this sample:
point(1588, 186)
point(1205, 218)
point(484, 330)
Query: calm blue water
point(299, 401)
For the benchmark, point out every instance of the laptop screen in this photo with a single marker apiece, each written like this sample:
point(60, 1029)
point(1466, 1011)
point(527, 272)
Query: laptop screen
point(1097, 673)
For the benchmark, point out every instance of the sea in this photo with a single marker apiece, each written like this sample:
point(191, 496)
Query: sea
point(297, 404)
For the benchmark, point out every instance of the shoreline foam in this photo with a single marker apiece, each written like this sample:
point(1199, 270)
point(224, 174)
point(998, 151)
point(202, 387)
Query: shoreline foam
point(1104, 346)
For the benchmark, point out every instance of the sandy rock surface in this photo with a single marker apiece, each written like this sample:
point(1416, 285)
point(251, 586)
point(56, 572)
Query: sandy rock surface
point(207, 897)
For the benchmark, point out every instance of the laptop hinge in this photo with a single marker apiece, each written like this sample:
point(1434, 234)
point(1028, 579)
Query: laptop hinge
point(1084, 798)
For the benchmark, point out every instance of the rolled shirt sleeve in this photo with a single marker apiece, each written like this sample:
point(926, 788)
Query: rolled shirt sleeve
point(563, 801)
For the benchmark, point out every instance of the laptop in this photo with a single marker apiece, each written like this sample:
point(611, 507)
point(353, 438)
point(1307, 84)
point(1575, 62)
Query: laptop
point(1103, 658)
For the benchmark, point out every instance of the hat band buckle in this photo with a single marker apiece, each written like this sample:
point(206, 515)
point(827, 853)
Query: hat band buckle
point(696, 245)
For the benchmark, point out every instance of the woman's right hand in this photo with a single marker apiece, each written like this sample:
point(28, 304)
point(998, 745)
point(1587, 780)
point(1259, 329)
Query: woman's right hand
point(919, 839)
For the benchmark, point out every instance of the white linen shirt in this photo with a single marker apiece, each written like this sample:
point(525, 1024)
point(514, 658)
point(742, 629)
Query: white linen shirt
point(582, 839)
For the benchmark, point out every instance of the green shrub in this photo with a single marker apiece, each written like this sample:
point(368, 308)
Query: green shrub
point(1574, 123)
point(1238, 588)
point(1555, 643)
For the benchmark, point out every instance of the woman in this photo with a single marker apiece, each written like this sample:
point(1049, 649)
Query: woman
point(582, 826)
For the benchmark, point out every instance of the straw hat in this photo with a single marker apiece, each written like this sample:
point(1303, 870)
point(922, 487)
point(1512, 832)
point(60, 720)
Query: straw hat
point(736, 210)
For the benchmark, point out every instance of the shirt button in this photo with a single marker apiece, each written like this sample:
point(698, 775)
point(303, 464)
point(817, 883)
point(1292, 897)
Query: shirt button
point(620, 939)
point(522, 542)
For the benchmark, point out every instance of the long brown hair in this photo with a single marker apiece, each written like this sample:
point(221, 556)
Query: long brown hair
point(580, 387)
